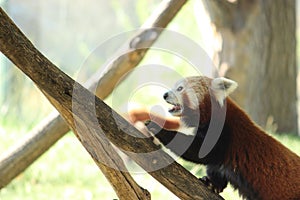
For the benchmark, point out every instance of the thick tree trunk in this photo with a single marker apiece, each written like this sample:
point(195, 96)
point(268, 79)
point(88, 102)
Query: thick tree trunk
point(95, 120)
point(259, 49)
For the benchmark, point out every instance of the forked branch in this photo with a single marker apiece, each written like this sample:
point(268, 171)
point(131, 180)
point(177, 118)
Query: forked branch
point(82, 110)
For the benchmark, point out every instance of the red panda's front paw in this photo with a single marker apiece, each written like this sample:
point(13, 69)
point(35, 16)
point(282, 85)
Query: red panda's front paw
point(210, 185)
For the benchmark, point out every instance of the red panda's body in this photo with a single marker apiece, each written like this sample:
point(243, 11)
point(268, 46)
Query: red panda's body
point(245, 156)
point(268, 168)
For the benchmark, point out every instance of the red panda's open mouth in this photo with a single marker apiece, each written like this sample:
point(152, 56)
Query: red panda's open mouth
point(176, 110)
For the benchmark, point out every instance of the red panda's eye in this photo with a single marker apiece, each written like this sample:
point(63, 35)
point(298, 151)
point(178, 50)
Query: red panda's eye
point(179, 88)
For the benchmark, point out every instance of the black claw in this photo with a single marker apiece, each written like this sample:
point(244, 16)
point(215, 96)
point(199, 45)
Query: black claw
point(210, 185)
point(205, 180)
point(147, 122)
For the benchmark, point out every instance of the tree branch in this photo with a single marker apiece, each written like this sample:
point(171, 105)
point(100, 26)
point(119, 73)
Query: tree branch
point(54, 127)
point(78, 105)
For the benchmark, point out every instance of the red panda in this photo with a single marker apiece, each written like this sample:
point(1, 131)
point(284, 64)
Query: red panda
point(257, 165)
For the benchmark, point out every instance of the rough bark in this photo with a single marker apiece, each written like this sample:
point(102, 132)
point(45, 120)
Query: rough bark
point(93, 117)
point(23, 154)
point(259, 50)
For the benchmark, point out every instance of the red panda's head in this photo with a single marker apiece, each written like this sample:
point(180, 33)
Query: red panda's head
point(193, 95)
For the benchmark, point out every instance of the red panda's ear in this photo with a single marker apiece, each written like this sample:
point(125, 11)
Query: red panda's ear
point(222, 87)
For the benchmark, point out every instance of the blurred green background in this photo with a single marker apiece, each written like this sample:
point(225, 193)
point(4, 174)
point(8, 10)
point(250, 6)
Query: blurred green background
point(67, 32)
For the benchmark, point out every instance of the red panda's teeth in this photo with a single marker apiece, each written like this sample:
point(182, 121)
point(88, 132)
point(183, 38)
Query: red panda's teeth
point(176, 107)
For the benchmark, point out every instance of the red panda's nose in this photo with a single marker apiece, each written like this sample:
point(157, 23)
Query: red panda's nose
point(166, 95)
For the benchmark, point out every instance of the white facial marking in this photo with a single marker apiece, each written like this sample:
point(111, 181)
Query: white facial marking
point(193, 99)
point(174, 97)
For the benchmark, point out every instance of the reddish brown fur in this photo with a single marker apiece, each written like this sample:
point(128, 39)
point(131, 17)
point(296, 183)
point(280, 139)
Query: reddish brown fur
point(268, 166)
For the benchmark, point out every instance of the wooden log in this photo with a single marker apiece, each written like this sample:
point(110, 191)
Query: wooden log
point(79, 106)
point(24, 153)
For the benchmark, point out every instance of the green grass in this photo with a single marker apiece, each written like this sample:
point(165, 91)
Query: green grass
point(66, 171)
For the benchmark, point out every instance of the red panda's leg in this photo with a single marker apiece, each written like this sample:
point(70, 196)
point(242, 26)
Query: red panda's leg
point(214, 179)
point(188, 147)
point(183, 145)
